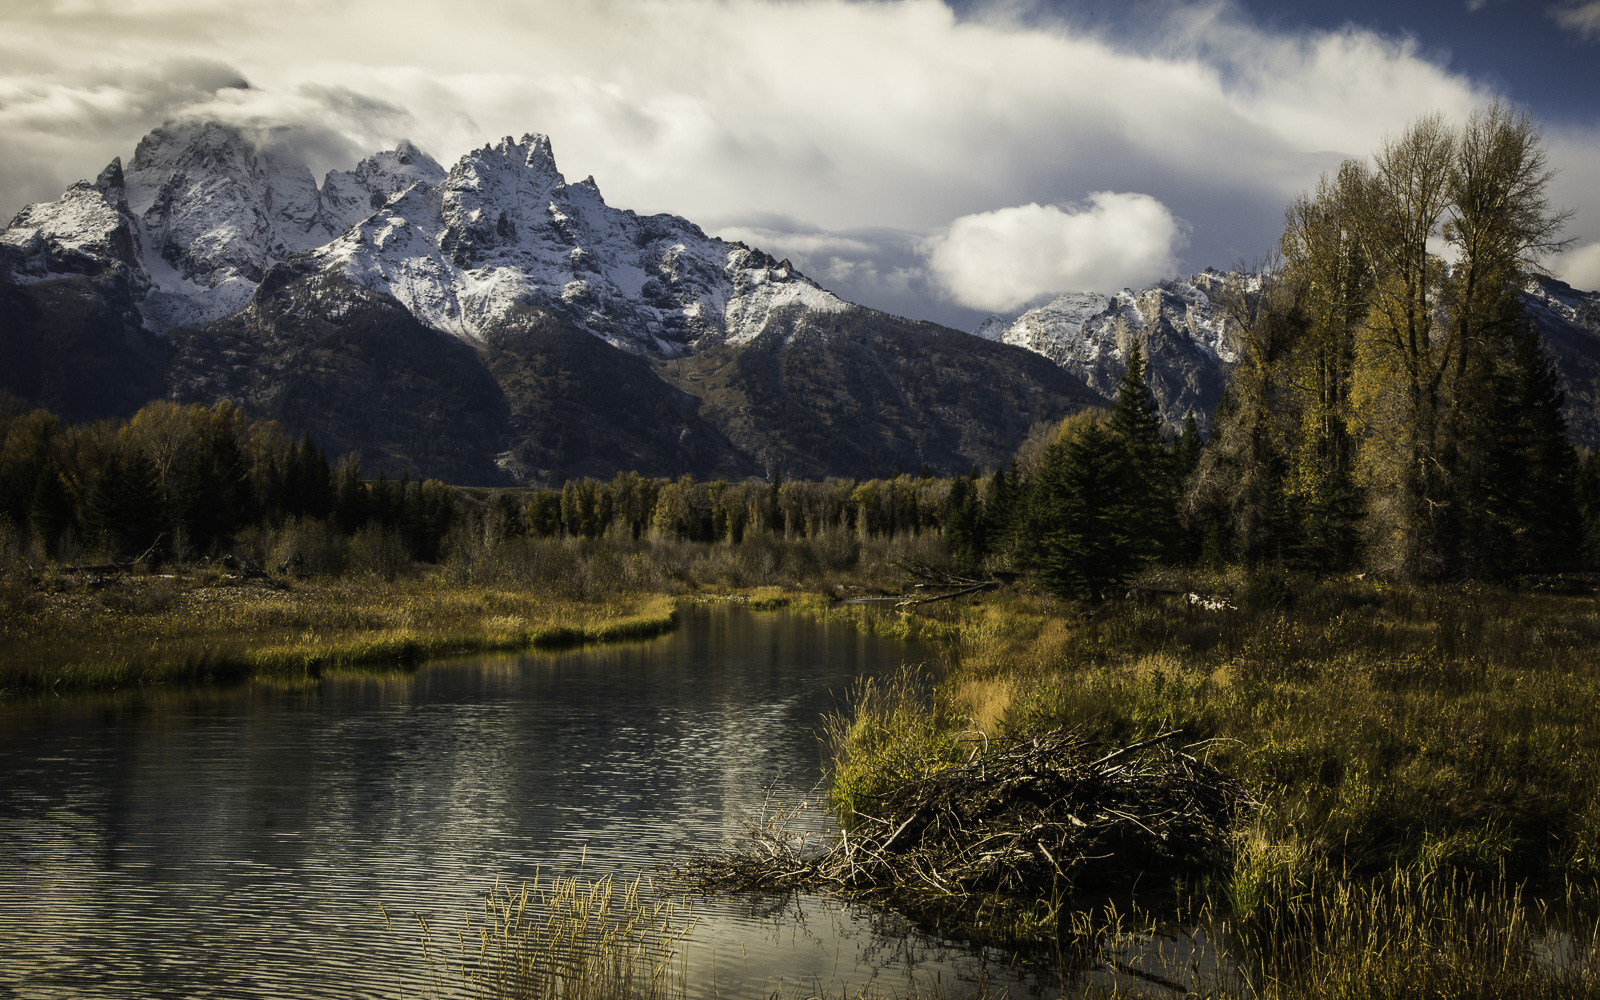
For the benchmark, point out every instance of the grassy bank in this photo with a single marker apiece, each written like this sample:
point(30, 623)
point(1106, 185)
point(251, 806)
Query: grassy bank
point(199, 626)
point(337, 602)
point(1396, 738)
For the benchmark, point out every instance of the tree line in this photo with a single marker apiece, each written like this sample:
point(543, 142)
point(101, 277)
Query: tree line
point(179, 481)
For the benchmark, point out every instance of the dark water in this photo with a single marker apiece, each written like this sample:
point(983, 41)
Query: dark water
point(236, 843)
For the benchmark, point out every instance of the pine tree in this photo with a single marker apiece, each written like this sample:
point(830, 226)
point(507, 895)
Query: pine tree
point(1082, 534)
point(51, 511)
point(964, 522)
point(126, 507)
point(350, 496)
point(308, 482)
point(1135, 425)
point(214, 497)
point(1001, 507)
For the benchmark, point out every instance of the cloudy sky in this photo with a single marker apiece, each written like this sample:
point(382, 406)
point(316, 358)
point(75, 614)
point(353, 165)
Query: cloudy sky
point(943, 159)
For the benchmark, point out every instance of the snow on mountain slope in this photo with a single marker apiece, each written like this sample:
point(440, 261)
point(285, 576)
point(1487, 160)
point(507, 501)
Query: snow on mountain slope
point(200, 213)
point(505, 227)
point(88, 230)
point(204, 209)
point(214, 212)
point(350, 196)
point(1186, 336)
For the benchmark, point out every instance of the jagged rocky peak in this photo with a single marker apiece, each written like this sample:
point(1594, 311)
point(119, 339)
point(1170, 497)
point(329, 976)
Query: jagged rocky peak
point(207, 208)
point(111, 183)
point(87, 231)
point(1183, 329)
point(507, 229)
point(349, 196)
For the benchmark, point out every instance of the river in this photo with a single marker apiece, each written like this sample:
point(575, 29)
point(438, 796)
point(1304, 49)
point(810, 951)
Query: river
point(237, 842)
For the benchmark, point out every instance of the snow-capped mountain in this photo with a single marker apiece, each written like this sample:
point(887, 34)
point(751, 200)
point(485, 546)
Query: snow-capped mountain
point(204, 209)
point(198, 215)
point(1183, 326)
point(491, 323)
point(1568, 321)
point(1190, 341)
point(505, 227)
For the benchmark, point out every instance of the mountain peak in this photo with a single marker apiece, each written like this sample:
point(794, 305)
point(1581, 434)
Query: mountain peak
point(538, 147)
point(110, 179)
point(406, 152)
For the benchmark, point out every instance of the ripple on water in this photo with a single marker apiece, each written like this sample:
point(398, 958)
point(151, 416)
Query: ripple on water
point(236, 843)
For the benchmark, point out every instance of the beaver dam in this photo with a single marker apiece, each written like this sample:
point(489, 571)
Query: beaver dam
point(1022, 820)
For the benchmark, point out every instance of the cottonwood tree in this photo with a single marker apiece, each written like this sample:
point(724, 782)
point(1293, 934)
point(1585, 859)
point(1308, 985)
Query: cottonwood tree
point(1333, 287)
point(1392, 389)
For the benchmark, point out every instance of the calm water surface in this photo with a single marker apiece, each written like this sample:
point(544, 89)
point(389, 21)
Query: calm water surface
point(237, 842)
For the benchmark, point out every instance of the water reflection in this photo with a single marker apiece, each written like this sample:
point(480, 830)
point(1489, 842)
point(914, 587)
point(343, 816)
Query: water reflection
point(237, 842)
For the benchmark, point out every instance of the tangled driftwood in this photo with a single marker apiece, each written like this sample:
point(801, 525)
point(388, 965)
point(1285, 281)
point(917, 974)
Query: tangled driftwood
point(1022, 818)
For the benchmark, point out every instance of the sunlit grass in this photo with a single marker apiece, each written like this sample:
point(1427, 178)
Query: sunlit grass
point(1426, 759)
point(150, 630)
point(1388, 725)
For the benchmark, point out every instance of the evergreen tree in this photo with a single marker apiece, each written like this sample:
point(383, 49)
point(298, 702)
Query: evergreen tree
point(1526, 495)
point(1082, 534)
point(382, 505)
point(307, 481)
point(214, 497)
point(350, 507)
point(1588, 499)
point(1186, 449)
point(1135, 425)
point(1001, 507)
point(964, 530)
point(52, 511)
point(126, 507)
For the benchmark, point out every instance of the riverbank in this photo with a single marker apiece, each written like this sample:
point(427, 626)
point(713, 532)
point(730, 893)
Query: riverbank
point(190, 626)
point(1414, 752)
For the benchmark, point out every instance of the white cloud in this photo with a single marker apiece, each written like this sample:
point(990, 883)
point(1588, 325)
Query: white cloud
point(1008, 258)
point(808, 245)
point(1580, 267)
point(1583, 18)
point(890, 115)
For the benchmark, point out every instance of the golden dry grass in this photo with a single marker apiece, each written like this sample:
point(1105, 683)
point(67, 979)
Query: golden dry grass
point(195, 627)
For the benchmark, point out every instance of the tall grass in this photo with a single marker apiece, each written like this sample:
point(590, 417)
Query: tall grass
point(565, 939)
point(1426, 758)
point(1386, 725)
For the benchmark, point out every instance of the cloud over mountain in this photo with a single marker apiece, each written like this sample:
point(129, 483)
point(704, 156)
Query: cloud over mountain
point(1008, 258)
point(878, 124)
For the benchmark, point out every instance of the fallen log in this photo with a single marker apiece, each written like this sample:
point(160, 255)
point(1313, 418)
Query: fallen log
point(917, 602)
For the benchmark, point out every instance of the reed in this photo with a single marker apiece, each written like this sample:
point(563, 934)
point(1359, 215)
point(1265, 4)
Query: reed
point(564, 939)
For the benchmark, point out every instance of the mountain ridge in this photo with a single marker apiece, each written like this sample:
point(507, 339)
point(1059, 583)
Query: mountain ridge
point(212, 250)
point(1190, 341)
